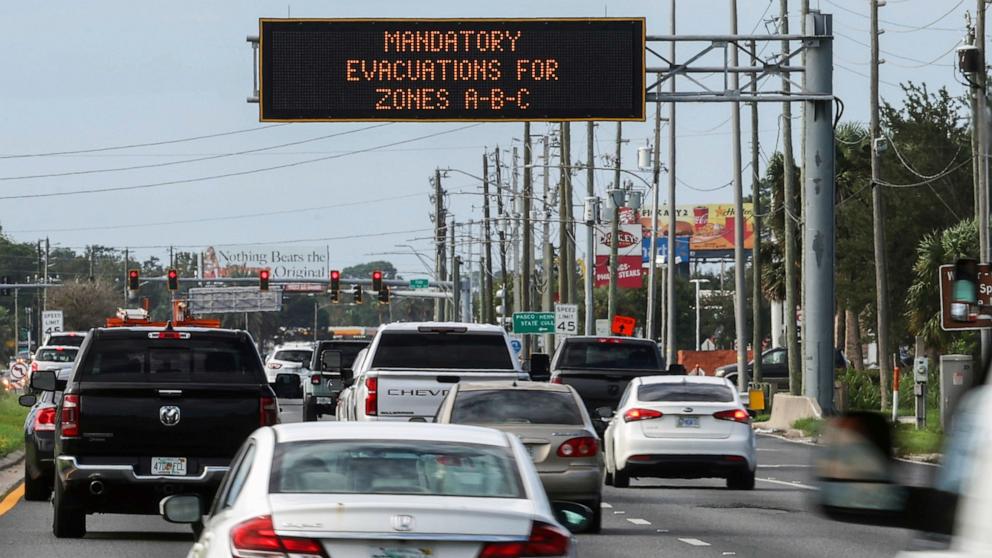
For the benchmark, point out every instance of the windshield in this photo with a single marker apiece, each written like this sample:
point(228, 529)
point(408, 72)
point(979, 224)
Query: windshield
point(56, 355)
point(606, 353)
point(515, 406)
point(442, 351)
point(708, 393)
point(301, 356)
point(226, 360)
point(420, 467)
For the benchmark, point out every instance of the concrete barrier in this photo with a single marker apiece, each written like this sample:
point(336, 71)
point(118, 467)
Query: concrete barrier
point(787, 409)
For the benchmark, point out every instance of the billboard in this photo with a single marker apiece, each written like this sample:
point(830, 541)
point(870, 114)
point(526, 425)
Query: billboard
point(283, 262)
point(629, 271)
point(709, 226)
point(451, 69)
point(661, 245)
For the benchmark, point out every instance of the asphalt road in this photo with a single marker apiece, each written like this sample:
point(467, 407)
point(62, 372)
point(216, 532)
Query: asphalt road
point(652, 518)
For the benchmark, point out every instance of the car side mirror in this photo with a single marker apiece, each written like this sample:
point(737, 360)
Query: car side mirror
point(181, 508)
point(44, 380)
point(27, 400)
point(577, 518)
point(348, 383)
point(348, 376)
point(288, 386)
point(540, 367)
point(330, 360)
point(605, 413)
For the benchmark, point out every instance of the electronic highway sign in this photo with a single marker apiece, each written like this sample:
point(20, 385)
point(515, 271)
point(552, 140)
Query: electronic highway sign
point(451, 69)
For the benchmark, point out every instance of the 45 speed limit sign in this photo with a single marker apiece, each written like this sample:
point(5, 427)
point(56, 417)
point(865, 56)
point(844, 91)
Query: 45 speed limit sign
point(566, 319)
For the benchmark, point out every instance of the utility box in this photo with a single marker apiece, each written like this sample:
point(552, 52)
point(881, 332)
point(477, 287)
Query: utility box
point(956, 375)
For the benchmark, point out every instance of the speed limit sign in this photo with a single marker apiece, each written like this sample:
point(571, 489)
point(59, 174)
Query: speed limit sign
point(566, 319)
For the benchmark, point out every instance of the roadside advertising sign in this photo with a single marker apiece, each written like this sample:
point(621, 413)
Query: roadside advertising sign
point(708, 226)
point(283, 262)
point(980, 316)
point(629, 257)
point(222, 300)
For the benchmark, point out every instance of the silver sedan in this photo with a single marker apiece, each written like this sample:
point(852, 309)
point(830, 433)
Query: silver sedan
point(380, 490)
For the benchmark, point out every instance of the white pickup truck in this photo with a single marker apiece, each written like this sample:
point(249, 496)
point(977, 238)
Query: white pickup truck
point(409, 368)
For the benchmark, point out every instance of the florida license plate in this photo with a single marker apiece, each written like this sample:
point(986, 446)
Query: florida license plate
point(324, 400)
point(688, 422)
point(401, 552)
point(169, 466)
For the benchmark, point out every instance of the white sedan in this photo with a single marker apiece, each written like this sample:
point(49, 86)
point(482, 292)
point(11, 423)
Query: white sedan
point(380, 490)
point(680, 427)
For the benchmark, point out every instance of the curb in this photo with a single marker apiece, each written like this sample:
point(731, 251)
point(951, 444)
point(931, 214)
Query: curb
point(12, 460)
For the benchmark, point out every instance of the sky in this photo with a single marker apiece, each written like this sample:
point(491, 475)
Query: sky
point(97, 74)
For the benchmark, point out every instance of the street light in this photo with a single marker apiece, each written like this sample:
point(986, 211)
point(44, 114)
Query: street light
point(697, 282)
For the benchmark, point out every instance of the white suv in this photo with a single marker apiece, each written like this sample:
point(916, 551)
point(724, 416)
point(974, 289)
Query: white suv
point(288, 357)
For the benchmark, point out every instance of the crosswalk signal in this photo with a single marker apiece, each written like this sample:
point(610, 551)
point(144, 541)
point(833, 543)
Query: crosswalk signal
point(384, 295)
point(133, 279)
point(357, 292)
point(377, 280)
point(263, 279)
point(173, 279)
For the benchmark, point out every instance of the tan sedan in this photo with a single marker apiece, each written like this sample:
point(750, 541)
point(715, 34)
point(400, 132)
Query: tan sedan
point(553, 425)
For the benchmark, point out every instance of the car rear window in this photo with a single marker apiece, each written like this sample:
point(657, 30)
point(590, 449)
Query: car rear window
point(520, 406)
point(300, 356)
point(701, 393)
point(56, 355)
point(395, 467)
point(224, 360)
point(442, 350)
point(65, 339)
point(608, 353)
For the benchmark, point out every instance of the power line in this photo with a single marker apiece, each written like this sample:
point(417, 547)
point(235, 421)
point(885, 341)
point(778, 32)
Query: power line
point(231, 174)
point(899, 56)
point(195, 160)
point(905, 28)
point(148, 144)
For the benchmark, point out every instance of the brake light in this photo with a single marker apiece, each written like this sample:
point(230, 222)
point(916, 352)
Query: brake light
point(315, 379)
point(544, 540)
point(586, 446)
point(268, 411)
point(734, 415)
point(274, 365)
point(257, 537)
point(633, 415)
point(44, 421)
point(610, 340)
point(372, 398)
point(70, 416)
point(556, 379)
point(168, 335)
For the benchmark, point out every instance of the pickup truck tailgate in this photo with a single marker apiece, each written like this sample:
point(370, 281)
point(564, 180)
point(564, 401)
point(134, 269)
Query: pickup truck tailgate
point(601, 388)
point(415, 393)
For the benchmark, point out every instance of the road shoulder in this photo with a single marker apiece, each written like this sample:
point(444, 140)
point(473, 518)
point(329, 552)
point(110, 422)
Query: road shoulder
point(11, 472)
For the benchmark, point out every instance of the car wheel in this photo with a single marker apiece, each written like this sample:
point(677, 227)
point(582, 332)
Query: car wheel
point(596, 524)
point(309, 410)
point(741, 480)
point(621, 479)
point(35, 490)
point(68, 522)
point(608, 478)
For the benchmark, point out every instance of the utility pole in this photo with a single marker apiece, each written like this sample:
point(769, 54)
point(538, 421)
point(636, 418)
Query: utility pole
point(453, 307)
point(563, 197)
point(127, 264)
point(615, 228)
point(670, 349)
point(983, 160)
point(591, 229)
point(456, 289)
point(547, 253)
point(513, 223)
point(789, 203)
point(573, 289)
point(740, 321)
point(488, 312)
point(92, 256)
point(653, 244)
point(878, 217)
point(501, 231)
point(44, 291)
point(527, 263)
point(756, 242)
point(439, 234)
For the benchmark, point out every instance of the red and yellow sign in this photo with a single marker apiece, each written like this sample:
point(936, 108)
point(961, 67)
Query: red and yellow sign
point(708, 226)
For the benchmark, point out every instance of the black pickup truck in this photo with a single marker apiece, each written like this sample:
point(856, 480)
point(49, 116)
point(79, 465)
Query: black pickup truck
point(151, 412)
point(599, 368)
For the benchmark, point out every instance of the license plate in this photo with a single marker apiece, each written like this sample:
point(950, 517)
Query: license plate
point(400, 552)
point(169, 466)
point(324, 400)
point(688, 422)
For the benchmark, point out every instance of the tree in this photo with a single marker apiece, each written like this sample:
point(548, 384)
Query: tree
point(84, 304)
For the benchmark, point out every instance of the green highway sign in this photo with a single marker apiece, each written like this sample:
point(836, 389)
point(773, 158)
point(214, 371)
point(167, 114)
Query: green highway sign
point(419, 283)
point(533, 322)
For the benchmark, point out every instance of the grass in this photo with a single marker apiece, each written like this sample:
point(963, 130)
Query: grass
point(11, 423)
point(910, 441)
point(762, 417)
point(810, 426)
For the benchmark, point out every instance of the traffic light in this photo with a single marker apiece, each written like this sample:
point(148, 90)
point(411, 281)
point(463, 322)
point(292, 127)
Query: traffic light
point(335, 297)
point(377, 280)
point(133, 279)
point(263, 279)
point(173, 279)
point(357, 292)
point(384, 295)
point(335, 280)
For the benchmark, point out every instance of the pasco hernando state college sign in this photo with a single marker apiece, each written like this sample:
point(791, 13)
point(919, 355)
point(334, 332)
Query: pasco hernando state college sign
point(451, 69)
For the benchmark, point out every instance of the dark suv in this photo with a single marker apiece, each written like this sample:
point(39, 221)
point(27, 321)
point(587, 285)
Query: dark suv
point(150, 412)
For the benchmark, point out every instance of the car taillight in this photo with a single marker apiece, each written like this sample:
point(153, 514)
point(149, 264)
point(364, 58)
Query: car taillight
point(735, 415)
point(268, 411)
point(70, 416)
point(44, 421)
point(274, 365)
point(34, 365)
point(633, 415)
point(257, 537)
point(586, 446)
point(372, 398)
point(556, 379)
point(315, 379)
point(544, 540)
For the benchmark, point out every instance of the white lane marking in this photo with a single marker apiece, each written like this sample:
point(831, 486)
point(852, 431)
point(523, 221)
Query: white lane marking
point(661, 530)
point(695, 542)
point(769, 449)
point(787, 483)
point(729, 554)
point(781, 466)
point(618, 512)
point(604, 505)
point(638, 521)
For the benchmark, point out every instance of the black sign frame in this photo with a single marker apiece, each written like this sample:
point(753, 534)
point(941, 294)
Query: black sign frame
point(552, 110)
